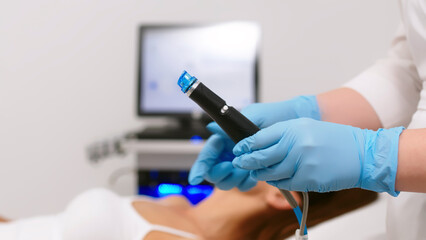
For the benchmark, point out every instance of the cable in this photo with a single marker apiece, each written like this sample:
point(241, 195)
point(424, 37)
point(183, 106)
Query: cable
point(290, 198)
point(301, 217)
point(302, 232)
point(303, 228)
point(298, 214)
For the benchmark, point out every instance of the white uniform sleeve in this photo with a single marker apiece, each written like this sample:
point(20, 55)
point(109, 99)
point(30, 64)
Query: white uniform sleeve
point(392, 85)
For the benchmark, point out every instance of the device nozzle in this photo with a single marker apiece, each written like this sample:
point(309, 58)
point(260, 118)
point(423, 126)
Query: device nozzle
point(185, 81)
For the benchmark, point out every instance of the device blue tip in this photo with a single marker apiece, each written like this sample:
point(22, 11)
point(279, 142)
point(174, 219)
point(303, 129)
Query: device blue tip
point(185, 81)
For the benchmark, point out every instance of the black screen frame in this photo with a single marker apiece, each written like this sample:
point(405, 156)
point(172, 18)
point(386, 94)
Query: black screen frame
point(141, 30)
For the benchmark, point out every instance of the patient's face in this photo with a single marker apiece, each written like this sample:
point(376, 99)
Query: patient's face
point(261, 189)
point(261, 193)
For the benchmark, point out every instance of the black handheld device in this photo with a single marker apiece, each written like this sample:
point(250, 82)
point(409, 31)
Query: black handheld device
point(236, 126)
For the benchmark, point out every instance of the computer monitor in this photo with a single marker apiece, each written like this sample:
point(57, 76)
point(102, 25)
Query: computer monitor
point(223, 56)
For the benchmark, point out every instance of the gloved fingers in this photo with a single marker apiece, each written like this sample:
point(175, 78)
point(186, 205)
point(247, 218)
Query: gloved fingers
point(260, 159)
point(206, 159)
point(232, 180)
point(219, 172)
point(215, 129)
point(280, 171)
point(262, 139)
point(247, 184)
point(284, 168)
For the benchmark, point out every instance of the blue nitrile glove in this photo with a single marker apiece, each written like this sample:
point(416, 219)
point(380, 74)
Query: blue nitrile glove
point(214, 165)
point(214, 162)
point(309, 155)
point(266, 114)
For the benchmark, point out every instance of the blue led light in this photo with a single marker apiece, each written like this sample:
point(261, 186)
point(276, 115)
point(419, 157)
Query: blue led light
point(196, 139)
point(167, 188)
point(200, 189)
point(194, 194)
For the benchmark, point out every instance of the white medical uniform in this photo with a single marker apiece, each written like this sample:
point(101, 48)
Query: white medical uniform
point(396, 88)
point(97, 214)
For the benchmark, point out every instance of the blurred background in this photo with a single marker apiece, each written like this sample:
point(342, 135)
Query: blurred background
point(68, 73)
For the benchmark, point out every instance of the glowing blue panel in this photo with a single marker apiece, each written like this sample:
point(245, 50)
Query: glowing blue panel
point(167, 188)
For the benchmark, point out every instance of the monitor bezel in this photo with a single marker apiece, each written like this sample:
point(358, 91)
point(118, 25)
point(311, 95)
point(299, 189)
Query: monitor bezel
point(142, 28)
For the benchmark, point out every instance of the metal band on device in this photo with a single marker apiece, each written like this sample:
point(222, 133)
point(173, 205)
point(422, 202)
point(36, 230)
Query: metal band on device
point(192, 88)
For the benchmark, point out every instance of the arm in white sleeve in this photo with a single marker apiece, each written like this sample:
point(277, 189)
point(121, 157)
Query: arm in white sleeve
point(392, 85)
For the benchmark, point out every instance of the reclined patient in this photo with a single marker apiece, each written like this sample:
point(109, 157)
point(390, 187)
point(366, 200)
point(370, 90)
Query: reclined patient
point(261, 213)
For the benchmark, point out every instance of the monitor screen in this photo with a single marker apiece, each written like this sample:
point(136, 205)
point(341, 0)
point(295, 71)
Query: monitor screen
point(222, 56)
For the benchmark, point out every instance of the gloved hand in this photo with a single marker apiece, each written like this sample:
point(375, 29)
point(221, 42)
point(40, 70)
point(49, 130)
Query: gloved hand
point(308, 155)
point(214, 162)
point(266, 114)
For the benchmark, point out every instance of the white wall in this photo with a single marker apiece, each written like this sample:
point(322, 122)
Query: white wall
point(67, 76)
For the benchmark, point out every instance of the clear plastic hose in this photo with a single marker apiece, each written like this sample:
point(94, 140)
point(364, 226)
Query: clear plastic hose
point(303, 228)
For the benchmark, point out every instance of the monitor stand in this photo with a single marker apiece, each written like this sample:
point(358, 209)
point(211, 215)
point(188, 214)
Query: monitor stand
point(181, 128)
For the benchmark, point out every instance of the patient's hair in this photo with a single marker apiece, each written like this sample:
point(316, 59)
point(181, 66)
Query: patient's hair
point(275, 224)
